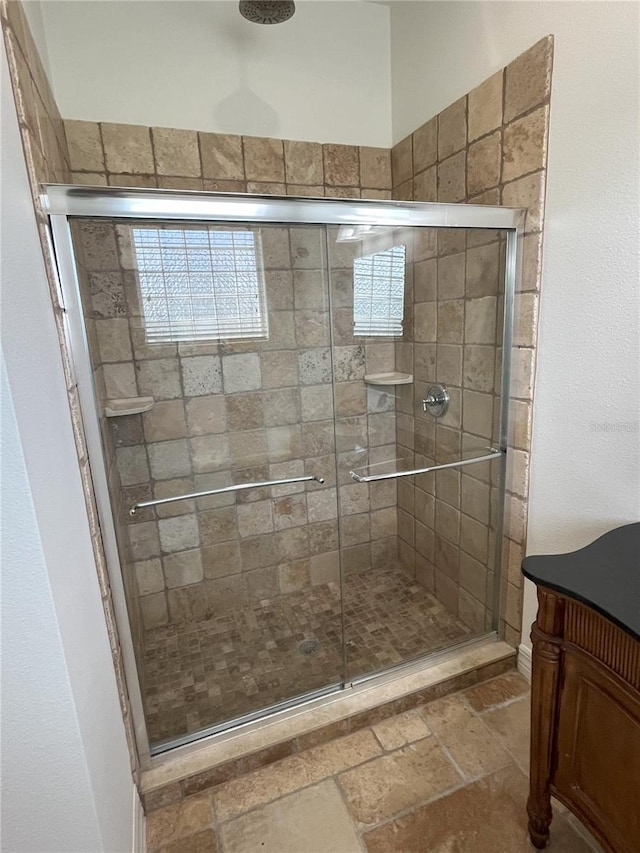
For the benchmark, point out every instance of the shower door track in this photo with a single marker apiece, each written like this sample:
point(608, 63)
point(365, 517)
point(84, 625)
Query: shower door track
point(62, 202)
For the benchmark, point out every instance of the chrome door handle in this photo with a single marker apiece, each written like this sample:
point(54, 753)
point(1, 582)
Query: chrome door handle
point(238, 488)
point(495, 454)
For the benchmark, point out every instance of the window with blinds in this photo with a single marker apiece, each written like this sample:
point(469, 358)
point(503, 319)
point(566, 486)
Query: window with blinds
point(378, 292)
point(200, 283)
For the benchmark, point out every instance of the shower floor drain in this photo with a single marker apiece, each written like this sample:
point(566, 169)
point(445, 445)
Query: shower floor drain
point(309, 647)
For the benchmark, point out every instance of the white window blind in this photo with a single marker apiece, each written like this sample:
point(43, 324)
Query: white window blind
point(200, 283)
point(378, 292)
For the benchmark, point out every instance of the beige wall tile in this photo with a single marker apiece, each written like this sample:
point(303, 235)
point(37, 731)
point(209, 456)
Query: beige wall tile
point(425, 322)
point(294, 576)
point(324, 568)
point(531, 263)
point(449, 365)
point(206, 415)
point(173, 183)
point(383, 195)
point(482, 272)
point(222, 157)
point(425, 145)
point(149, 577)
point(452, 129)
point(154, 610)
point(451, 277)
point(166, 420)
point(221, 560)
point(303, 162)
point(119, 180)
point(404, 192)
point(183, 568)
point(483, 164)
point(525, 325)
point(452, 178)
point(224, 186)
point(425, 185)
point(315, 191)
point(375, 168)
point(127, 148)
point(120, 380)
point(479, 367)
point(473, 574)
point(480, 320)
point(527, 193)
point(402, 161)
point(485, 106)
point(132, 465)
point(85, 146)
point(525, 144)
point(91, 179)
point(266, 188)
point(477, 413)
point(451, 321)
point(169, 459)
point(528, 79)
point(341, 165)
point(263, 158)
point(114, 340)
point(176, 152)
point(342, 192)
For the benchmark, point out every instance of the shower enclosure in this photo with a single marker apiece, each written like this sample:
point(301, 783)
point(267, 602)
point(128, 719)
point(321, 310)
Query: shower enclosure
point(296, 414)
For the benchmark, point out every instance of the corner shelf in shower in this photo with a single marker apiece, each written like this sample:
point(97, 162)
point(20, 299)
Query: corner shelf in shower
point(388, 378)
point(118, 408)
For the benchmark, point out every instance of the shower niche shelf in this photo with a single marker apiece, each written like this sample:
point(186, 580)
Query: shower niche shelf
point(118, 408)
point(388, 378)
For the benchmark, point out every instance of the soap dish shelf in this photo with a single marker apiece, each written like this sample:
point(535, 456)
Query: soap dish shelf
point(118, 408)
point(388, 378)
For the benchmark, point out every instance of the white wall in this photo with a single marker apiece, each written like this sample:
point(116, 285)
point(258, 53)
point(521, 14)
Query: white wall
point(323, 76)
point(583, 481)
point(66, 782)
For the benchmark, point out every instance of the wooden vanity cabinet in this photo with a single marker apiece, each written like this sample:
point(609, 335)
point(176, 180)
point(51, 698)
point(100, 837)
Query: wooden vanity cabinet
point(585, 716)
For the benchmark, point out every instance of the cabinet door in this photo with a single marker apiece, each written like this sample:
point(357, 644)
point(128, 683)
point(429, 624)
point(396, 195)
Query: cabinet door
point(598, 752)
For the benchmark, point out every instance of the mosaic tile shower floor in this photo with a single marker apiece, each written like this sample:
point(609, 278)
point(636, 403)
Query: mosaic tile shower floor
point(199, 674)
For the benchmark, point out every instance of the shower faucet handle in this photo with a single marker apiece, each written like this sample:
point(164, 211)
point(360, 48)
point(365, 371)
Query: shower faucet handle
point(436, 401)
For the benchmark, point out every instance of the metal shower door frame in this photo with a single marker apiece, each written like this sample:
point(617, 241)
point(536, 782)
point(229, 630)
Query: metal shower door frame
point(63, 202)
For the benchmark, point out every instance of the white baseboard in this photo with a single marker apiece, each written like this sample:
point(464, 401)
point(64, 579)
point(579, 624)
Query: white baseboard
point(524, 661)
point(139, 840)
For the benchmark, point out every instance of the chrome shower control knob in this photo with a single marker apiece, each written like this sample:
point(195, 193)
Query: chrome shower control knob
point(436, 401)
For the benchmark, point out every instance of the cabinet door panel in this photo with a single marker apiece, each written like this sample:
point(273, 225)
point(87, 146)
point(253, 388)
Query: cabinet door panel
point(598, 751)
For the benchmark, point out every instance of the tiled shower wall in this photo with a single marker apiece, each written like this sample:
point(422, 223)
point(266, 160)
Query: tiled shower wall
point(227, 413)
point(489, 147)
point(446, 520)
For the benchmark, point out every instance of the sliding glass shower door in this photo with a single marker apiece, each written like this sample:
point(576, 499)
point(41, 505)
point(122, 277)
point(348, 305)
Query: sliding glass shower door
point(298, 407)
point(213, 370)
point(417, 328)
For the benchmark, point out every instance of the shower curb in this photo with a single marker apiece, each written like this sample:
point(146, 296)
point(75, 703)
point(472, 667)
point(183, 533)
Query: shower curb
point(205, 765)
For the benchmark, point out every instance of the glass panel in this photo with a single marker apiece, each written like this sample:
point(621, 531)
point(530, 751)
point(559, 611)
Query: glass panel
point(417, 552)
point(234, 598)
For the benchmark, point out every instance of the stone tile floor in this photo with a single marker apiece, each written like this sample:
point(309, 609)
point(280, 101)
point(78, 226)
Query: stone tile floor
point(448, 777)
point(198, 674)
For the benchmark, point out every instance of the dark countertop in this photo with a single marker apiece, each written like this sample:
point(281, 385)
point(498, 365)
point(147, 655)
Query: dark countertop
point(604, 575)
